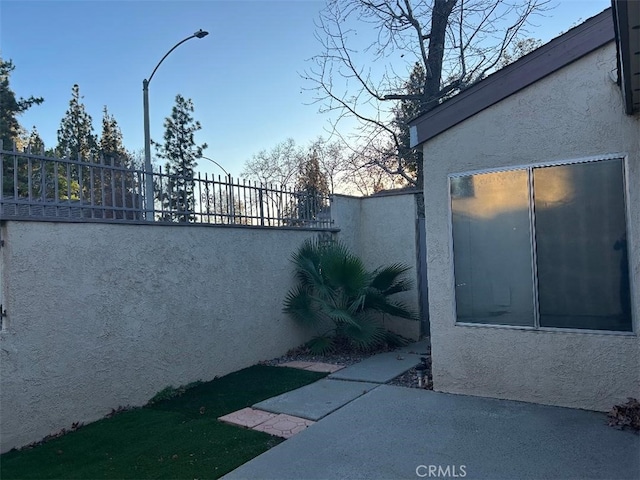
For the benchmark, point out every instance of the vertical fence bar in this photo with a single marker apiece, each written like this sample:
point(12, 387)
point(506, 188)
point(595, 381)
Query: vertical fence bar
point(43, 180)
point(91, 191)
point(29, 173)
point(161, 194)
point(232, 205)
point(213, 202)
point(123, 205)
point(199, 203)
point(208, 198)
point(247, 210)
point(102, 198)
point(29, 179)
point(136, 193)
point(69, 184)
point(257, 191)
point(80, 183)
point(15, 174)
point(220, 202)
point(261, 207)
point(56, 187)
point(112, 181)
point(269, 190)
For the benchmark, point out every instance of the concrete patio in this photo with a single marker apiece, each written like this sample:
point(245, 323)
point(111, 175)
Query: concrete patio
point(395, 432)
point(369, 430)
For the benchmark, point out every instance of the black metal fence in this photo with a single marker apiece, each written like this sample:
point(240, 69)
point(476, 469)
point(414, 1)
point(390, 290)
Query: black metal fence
point(36, 186)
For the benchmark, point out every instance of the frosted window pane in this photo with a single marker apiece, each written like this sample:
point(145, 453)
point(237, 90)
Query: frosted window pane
point(492, 248)
point(583, 275)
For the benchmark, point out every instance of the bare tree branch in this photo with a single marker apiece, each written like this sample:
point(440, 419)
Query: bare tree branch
point(456, 42)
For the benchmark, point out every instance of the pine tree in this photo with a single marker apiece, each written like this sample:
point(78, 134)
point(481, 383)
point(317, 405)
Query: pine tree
point(42, 186)
point(10, 131)
point(114, 187)
point(35, 143)
point(406, 110)
point(110, 145)
point(76, 139)
point(11, 107)
point(180, 152)
point(312, 188)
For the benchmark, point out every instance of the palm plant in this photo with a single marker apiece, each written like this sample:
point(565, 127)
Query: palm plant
point(336, 292)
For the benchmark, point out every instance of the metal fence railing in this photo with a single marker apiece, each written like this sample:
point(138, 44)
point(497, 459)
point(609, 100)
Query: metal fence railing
point(37, 186)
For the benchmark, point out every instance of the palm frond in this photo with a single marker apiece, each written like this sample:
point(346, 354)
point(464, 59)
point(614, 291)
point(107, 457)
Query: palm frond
point(345, 270)
point(379, 302)
point(301, 306)
point(322, 344)
point(364, 334)
point(385, 278)
point(338, 315)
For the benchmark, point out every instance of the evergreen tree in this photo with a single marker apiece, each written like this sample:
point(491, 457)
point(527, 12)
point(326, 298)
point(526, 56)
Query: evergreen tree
point(110, 145)
point(41, 172)
point(407, 109)
point(312, 188)
point(10, 131)
point(11, 107)
point(114, 187)
point(76, 139)
point(180, 152)
point(35, 143)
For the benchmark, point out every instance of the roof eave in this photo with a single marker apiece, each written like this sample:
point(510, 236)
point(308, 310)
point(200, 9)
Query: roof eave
point(558, 53)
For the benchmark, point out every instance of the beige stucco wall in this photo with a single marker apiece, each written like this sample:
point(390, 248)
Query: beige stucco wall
point(382, 231)
point(575, 113)
point(102, 315)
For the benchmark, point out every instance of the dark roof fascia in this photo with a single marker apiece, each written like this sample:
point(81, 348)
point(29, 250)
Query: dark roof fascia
point(624, 45)
point(558, 53)
point(396, 191)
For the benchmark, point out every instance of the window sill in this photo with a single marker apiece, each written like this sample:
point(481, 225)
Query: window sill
point(548, 329)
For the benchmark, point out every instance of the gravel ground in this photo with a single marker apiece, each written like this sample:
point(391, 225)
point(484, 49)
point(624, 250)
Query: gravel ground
point(342, 357)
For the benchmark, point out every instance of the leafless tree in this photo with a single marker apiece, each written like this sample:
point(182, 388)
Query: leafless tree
point(334, 163)
point(278, 166)
point(457, 42)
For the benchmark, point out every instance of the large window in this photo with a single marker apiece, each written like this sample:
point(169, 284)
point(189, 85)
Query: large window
point(542, 247)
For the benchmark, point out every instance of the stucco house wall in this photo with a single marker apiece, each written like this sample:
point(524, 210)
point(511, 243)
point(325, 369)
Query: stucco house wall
point(575, 113)
point(106, 315)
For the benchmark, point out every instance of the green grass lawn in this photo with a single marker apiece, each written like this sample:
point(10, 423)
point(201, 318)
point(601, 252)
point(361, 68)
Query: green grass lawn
point(169, 439)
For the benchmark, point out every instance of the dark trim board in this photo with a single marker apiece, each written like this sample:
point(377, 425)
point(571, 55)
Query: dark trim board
point(558, 53)
point(626, 19)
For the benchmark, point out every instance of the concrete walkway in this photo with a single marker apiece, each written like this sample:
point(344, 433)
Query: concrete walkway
point(365, 429)
point(321, 398)
point(317, 400)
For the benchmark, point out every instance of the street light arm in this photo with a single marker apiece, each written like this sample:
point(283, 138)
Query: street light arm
point(148, 177)
point(199, 34)
point(213, 161)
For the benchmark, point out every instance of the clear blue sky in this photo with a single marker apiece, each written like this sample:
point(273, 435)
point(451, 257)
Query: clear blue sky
point(243, 78)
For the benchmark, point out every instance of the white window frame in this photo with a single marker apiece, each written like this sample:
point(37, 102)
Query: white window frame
point(624, 157)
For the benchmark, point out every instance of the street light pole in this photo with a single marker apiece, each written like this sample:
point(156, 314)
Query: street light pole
point(148, 177)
